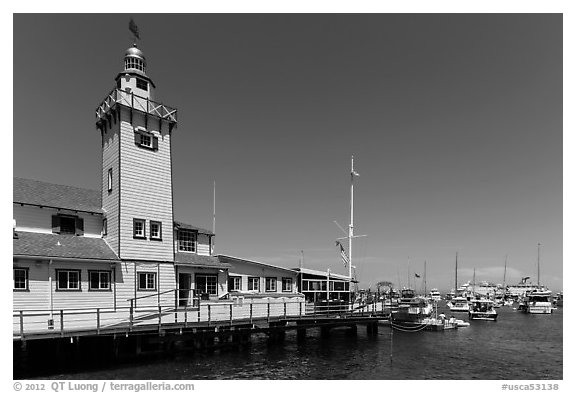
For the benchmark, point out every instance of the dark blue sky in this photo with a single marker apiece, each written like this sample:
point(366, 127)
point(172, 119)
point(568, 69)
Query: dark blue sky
point(455, 122)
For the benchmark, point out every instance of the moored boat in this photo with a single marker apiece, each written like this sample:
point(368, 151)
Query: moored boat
point(412, 310)
point(458, 304)
point(559, 299)
point(482, 309)
point(537, 302)
point(434, 295)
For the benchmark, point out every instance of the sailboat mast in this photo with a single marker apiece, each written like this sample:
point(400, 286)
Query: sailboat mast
point(425, 289)
point(474, 282)
point(538, 265)
point(505, 262)
point(456, 276)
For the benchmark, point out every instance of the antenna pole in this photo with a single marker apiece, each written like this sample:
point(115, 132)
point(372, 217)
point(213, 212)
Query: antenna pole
point(351, 227)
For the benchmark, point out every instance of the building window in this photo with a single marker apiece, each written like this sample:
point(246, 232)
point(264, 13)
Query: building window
point(186, 240)
point(105, 227)
point(99, 280)
point(141, 84)
point(235, 283)
point(253, 283)
point(110, 180)
point(145, 139)
point(67, 225)
point(20, 279)
point(146, 281)
point(286, 284)
point(139, 229)
point(155, 230)
point(207, 283)
point(68, 280)
point(270, 284)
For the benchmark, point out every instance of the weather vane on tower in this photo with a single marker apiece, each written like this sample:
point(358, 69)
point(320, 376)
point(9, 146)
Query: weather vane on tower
point(133, 27)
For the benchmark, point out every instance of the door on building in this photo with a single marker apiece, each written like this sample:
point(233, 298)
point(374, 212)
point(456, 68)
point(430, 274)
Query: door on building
point(184, 289)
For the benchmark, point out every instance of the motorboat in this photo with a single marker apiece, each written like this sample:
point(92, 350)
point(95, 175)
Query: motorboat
point(412, 310)
point(482, 309)
point(458, 304)
point(537, 302)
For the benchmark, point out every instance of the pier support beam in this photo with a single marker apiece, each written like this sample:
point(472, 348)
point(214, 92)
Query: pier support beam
point(352, 331)
point(300, 335)
point(372, 329)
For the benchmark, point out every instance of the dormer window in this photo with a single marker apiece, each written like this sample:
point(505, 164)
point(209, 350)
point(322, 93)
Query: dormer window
point(67, 225)
point(186, 240)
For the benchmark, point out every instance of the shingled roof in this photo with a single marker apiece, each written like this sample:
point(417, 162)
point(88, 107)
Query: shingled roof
point(179, 224)
point(34, 192)
point(34, 244)
point(195, 260)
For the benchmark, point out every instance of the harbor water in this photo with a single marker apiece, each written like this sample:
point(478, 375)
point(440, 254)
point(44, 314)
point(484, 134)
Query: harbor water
point(516, 346)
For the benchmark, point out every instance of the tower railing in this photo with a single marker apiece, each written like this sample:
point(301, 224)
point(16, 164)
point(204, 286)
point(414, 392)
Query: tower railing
point(135, 102)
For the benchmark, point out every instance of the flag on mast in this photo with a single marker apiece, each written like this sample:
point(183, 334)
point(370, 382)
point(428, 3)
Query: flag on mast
point(343, 254)
point(416, 275)
point(134, 28)
point(354, 173)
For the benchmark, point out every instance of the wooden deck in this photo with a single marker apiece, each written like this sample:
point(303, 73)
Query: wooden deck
point(35, 325)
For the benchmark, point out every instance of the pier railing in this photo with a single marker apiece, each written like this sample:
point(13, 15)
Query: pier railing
point(66, 322)
point(130, 317)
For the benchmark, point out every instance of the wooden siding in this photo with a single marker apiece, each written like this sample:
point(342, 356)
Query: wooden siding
point(122, 286)
point(203, 244)
point(145, 190)
point(222, 276)
point(37, 219)
point(127, 284)
point(245, 270)
point(38, 297)
point(110, 151)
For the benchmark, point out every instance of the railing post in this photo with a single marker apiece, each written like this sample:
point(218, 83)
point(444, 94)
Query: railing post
point(230, 314)
point(98, 321)
point(176, 296)
point(21, 324)
point(300, 306)
point(209, 315)
point(131, 313)
point(251, 304)
point(284, 308)
point(186, 316)
point(159, 317)
point(268, 316)
point(199, 306)
point(62, 322)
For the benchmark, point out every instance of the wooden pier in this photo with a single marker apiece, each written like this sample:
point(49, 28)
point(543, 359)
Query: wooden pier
point(171, 331)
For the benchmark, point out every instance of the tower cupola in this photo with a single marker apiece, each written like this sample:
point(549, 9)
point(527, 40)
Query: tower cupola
point(134, 60)
point(133, 79)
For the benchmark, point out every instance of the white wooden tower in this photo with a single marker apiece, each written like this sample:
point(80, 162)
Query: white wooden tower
point(137, 165)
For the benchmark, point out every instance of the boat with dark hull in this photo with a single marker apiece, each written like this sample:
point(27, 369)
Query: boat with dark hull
point(412, 310)
point(482, 309)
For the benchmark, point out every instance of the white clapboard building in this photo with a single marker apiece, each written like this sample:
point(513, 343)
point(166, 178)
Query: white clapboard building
point(75, 248)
